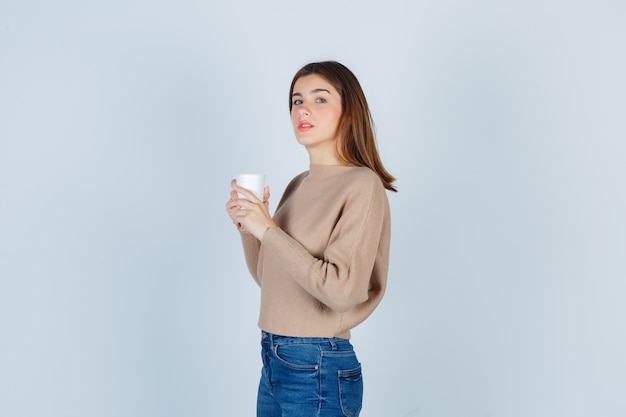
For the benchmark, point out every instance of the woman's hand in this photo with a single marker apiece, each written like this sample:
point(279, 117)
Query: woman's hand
point(249, 214)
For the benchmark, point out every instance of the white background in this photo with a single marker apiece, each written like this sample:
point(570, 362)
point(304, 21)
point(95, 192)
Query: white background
point(123, 290)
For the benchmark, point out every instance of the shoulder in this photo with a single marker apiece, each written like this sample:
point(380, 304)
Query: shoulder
point(362, 187)
point(364, 195)
point(363, 174)
point(296, 181)
point(291, 187)
point(364, 178)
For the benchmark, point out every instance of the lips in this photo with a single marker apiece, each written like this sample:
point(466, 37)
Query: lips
point(303, 126)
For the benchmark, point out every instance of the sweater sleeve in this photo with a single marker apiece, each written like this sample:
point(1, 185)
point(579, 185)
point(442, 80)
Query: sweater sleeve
point(341, 280)
point(252, 246)
point(251, 249)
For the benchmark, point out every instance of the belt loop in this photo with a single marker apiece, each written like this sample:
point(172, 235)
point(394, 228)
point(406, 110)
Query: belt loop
point(332, 343)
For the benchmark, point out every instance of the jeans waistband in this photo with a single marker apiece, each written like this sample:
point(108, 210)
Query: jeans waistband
point(278, 339)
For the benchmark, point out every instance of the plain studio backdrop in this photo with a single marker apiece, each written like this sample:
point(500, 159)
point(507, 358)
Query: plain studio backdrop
point(123, 289)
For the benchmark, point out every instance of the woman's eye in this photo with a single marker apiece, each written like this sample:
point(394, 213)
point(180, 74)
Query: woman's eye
point(296, 102)
point(320, 100)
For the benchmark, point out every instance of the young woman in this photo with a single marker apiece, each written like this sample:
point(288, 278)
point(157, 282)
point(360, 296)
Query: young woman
point(321, 261)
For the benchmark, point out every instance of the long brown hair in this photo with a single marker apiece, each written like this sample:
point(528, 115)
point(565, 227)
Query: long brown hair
point(357, 142)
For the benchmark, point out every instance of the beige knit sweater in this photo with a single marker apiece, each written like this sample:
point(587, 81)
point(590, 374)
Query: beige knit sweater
point(323, 270)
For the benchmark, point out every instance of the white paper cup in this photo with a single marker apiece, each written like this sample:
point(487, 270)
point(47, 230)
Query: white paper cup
point(252, 182)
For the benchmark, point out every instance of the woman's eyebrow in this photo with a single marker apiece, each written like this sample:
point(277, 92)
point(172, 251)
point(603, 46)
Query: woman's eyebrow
point(314, 91)
point(319, 90)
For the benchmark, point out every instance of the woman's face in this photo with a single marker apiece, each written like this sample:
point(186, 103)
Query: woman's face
point(315, 113)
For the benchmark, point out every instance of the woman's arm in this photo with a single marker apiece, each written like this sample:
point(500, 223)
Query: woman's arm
point(251, 244)
point(251, 250)
point(341, 279)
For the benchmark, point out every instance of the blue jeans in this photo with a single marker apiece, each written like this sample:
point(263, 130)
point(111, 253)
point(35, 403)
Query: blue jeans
point(309, 377)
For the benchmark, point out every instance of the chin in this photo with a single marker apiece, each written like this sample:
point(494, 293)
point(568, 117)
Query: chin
point(304, 141)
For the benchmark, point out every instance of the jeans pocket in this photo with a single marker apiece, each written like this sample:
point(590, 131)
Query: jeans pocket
point(300, 357)
point(351, 391)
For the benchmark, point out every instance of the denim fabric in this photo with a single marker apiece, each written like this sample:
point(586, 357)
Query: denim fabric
point(309, 377)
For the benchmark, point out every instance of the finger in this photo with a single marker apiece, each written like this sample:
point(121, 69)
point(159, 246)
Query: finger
point(249, 195)
point(234, 207)
point(266, 194)
point(244, 204)
point(232, 204)
point(240, 218)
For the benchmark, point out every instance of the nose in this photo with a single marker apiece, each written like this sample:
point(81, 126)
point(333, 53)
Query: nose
point(304, 111)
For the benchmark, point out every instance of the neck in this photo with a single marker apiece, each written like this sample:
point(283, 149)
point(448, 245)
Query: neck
point(324, 156)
